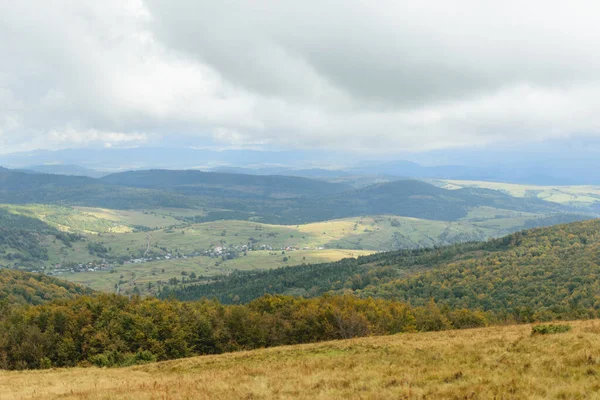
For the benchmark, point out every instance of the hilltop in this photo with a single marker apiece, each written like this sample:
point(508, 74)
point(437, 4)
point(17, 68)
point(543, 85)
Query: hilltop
point(497, 362)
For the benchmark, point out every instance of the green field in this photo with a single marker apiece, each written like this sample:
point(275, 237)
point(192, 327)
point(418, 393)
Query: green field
point(126, 277)
point(98, 220)
point(377, 233)
point(578, 195)
point(156, 219)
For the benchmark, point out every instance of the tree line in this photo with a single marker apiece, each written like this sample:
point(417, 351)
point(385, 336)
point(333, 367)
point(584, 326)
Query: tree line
point(112, 330)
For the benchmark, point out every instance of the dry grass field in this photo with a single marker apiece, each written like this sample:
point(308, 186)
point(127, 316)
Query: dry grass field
point(489, 363)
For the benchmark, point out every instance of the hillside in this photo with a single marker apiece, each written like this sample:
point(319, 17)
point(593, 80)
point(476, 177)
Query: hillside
point(409, 198)
point(268, 199)
point(17, 287)
point(124, 235)
point(23, 239)
point(22, 188)
point(422, 200)
point(497, 362)
point(540, 273)
point(193, 182)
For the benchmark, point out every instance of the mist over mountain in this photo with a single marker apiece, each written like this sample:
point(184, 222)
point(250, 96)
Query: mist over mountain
point(548, 163)
point(69, 170)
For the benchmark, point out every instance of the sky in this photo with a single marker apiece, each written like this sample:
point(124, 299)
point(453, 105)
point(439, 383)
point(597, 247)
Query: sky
point(372, 77)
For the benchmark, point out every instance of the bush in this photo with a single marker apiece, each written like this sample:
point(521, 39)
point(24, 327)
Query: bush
point(108, 359)
point(45, 363)
point(549, 329)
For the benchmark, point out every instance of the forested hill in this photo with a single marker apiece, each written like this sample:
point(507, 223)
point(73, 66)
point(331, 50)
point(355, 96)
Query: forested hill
point(207, 183)
point(418, 199)
point(17, 287)
point(542, 272)
point(269, 199)
point(22, 187)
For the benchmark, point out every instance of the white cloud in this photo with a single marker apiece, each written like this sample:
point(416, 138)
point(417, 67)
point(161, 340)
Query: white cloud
point(383, 76)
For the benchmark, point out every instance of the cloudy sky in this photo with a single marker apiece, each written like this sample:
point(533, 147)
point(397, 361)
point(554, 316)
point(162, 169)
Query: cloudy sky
point(366, 76)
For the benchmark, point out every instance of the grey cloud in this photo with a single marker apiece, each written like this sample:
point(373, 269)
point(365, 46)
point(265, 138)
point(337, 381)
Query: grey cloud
point(384, 76)
point(406, 53)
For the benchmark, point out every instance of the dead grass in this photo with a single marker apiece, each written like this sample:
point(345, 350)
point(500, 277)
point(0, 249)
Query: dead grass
point(498, 362)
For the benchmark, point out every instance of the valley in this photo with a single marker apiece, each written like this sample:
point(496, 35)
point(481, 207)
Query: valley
point(142, 251)
point(299, 200)
point(153, 266)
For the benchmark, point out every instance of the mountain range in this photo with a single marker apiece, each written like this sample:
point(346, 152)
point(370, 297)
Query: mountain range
point(543, 166)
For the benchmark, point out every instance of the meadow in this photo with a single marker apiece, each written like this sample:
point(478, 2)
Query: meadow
point(146, 276)
point(576, 195)
point(503, 362)
point(376, 233)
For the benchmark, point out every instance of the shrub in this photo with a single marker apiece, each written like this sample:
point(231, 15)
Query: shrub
point(549, 329)
point(45, 363)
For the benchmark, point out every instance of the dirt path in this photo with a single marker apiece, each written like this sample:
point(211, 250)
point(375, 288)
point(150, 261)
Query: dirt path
point(148, 237)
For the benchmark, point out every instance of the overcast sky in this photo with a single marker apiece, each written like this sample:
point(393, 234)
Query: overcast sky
point(369, 76)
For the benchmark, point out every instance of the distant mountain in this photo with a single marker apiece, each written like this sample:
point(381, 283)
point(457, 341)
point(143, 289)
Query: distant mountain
point(536, 164)
point(315, 173)
point(526, 174)
point(192, 182)
point(270, 199)
point(20, 187)
point(71, 170)
point(412, 198)
point(166, 158)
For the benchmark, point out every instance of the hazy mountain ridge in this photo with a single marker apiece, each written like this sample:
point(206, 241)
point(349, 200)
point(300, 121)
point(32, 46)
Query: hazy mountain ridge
point(554, 166)
point(199, 182)
point(70, 170)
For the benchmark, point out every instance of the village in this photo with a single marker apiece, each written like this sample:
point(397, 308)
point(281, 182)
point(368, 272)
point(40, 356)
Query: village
point(219, 252)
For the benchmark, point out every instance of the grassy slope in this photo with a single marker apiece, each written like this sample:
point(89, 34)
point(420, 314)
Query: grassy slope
point(367, 232)
point(497, 362)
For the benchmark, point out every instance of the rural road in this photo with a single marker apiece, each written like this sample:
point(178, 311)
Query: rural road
point(148, 237)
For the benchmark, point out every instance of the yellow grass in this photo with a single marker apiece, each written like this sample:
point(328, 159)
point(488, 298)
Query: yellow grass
point(498, 362)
